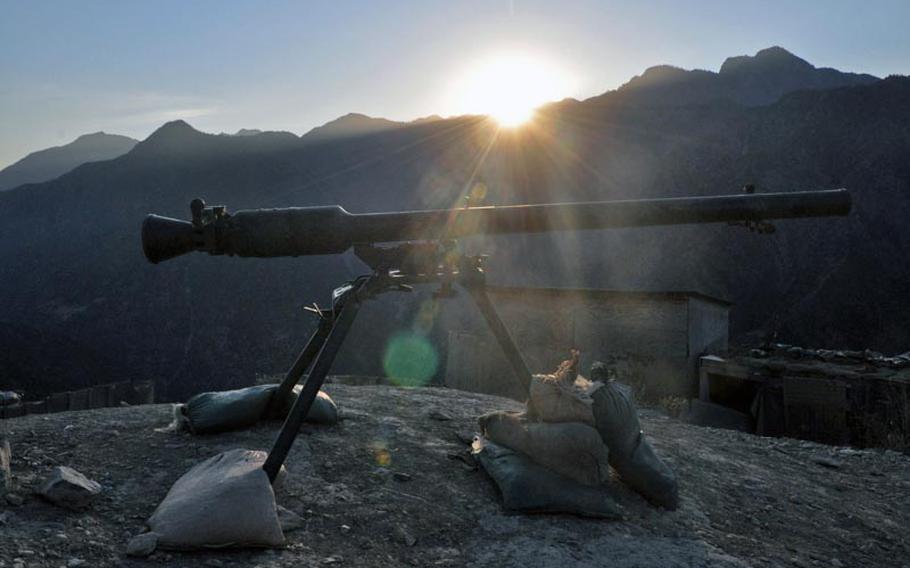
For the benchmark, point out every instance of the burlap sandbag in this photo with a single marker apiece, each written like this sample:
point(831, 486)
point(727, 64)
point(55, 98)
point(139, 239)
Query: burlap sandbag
point(224, 501)
point(631, 455)
point(571, 449)
point(554, 400)
point(213, 412)
point(530, 488)
point(323, 411)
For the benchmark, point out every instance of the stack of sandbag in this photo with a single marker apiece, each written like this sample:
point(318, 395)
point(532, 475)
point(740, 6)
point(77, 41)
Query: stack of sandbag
point(531, 488)
point(213, 412)
point(558, 454)
point(551, 458)
point(631, 455)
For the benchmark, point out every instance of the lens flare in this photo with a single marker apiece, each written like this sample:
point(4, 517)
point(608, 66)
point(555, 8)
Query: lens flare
point(381, 454)
point(410, 360)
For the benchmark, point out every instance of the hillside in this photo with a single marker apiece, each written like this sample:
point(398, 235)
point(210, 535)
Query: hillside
point(48, 164)
point(745, 500)
point(70, 257)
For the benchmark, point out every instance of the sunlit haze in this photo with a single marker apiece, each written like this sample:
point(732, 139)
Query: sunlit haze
point(508, 86)
point(70, 68)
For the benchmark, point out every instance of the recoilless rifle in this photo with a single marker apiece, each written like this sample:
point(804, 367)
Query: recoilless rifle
point(413, 247)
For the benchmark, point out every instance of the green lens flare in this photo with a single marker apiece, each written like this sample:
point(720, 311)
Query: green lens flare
point(410, 360)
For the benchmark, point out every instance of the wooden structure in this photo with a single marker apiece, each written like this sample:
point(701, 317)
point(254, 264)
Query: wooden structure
point(98, 396)
point(650, 339)
point(842, 400)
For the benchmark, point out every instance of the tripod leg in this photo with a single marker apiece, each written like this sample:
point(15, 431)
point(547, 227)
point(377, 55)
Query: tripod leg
point(310, 351)
point(321, 366)
point(513, 355)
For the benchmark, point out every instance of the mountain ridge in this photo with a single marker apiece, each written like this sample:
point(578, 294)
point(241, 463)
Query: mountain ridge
point(755, 80)
point(49, 163)
point(199, 322)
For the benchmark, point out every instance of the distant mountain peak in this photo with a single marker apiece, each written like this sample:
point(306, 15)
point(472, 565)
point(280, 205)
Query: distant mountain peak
point(770, 59)
point(175, 135)
point(47, 164)
point(351, 124)
point(178, 126)
point(750, 80)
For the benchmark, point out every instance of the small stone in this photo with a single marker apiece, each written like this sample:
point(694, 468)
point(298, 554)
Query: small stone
point(142, 545)
point(331, 560)
point(6, 474)
point(438, 415)
point(68, 488)
point(405, 535)
point(74, 562)
point(345, 529)
point(401, 476)
point(828, 462)
point(15, 499)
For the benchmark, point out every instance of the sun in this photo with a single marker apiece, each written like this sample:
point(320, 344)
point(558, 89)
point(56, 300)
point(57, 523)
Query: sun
point(509, 86)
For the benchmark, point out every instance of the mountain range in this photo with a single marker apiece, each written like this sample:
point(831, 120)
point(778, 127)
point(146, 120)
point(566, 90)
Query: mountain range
point(71, 264)
point(53, 162)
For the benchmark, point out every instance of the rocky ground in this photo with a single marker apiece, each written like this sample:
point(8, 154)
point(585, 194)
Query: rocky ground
point(386, 487)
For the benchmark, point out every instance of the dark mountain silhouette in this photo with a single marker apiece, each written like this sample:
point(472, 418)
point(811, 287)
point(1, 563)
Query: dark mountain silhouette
point(50, 362)
point(750, 80)
point(352, 124)
point(70, 258)
point(53, 162)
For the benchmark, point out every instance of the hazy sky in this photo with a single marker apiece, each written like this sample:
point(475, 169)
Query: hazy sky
point(72, 67)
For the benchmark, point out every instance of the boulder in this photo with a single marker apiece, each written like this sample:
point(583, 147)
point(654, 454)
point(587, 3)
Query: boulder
point(68, 488)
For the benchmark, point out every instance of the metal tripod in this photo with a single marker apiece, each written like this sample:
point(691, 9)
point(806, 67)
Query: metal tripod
point(394, 269)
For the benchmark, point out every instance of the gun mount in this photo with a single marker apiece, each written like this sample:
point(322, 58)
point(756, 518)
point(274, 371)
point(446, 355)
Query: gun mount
point(428, 253)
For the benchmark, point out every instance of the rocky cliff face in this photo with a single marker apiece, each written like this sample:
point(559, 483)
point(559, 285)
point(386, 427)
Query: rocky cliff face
point(70, 258)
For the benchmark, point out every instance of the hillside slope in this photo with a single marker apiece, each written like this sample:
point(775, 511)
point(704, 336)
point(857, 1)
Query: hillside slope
point(48, 164)
point(745, 500)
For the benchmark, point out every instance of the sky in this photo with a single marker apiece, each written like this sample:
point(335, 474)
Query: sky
point(69, 68)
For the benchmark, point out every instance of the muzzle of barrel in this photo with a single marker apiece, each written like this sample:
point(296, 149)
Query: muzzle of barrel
point(164, 238)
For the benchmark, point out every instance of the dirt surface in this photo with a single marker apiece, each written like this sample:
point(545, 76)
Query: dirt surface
point(384, 488)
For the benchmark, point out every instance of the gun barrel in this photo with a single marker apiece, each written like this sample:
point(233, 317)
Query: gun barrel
point(298, 231)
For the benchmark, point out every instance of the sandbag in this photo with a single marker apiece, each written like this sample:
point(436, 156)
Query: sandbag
point(554, 400)
point(323, 411)
point(571, 449)
point(224, 501)
point(212, 412)
point(631, 455)
point(530, 488)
